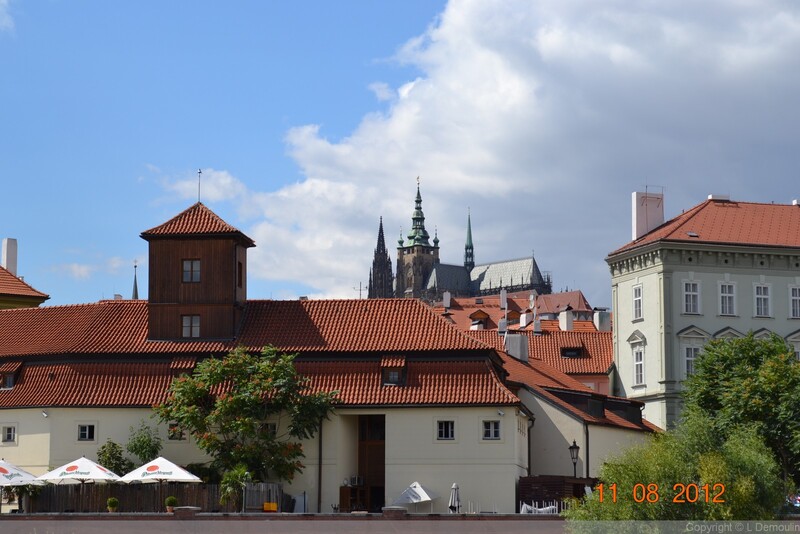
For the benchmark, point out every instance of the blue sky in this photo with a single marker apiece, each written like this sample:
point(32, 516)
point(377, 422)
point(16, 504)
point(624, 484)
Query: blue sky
point(312, 119)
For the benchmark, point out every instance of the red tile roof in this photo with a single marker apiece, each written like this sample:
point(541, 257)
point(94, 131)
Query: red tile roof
point(447, 382)
point(196, 220)
point(462, 310)
point(144, 383)
point(120, 327)
point(728, 223)
point(13, 286)
point(596, 347)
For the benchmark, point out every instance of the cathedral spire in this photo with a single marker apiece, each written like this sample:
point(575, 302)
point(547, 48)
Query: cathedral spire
point(380, 276)
point(418, 234)
point(469, 253)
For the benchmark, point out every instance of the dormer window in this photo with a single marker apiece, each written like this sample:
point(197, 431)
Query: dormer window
point(191, 271)
point(393, 370)
point(8, 374)
point(8, 381)
point(571, 352)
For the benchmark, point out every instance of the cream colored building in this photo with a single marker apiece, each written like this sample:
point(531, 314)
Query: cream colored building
point(720, 269)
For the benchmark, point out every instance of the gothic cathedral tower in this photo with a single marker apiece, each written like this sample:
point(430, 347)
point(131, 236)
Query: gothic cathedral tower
point(380, 276)
point(415, 256)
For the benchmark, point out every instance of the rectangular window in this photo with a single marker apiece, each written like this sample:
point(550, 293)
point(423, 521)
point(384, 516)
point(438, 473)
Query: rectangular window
point(8, 381)
point(446, 430)
point(691, 355)
point(794, 302)
point(727, 299)
point(191, 325)
point(175, 433)
point(85, 432)
point(637, 302)
point(638, 365)
point(191, 270)
point(9, 434)
point(239, 274)
point(691, 297)
point(491, 430)
point(762, 301)
point(272, 429)
point(392, 376)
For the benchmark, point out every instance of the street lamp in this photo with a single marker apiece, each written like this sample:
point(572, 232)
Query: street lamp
point(573, 453)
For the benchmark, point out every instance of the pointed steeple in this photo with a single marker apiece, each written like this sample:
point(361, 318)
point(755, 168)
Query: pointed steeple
point(418, 235)
point(135, 294)
point(469, 253)
point(380, 276)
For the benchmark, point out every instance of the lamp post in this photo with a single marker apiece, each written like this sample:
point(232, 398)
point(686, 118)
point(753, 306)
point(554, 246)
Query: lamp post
point(573, 453)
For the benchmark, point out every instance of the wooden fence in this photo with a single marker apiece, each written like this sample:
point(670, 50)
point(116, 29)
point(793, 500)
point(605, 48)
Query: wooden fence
point(149, 497)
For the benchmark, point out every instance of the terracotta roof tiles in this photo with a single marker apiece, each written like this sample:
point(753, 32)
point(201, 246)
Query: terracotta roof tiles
point(197, 220)
point(14, 286)
point(728, 223)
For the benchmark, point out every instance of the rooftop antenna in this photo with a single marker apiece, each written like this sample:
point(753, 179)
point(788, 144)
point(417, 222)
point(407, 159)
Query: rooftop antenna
point(199, 173)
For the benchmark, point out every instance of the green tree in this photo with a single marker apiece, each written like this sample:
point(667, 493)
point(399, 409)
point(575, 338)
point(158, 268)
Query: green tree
point(111, 456)
point(756, 382)
point(231, 488)
point(737, 471)
point(248, 409)
point(144, 443)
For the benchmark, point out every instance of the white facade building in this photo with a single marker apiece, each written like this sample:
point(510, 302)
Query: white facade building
point(720, 269)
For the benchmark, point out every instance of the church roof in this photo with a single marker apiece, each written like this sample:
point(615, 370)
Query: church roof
point(727, 222)
point(491, 276)
point(196, 221)
point(446, 277)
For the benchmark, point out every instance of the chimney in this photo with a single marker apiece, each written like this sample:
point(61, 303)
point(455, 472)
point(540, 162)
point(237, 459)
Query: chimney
point(719, 197)
point(446, 300)
point(117, 296)
point(503, 299)
point(647, 213)
point(9, 256)
point(602, 320)
point(525, 318)
point(502, 326)
point(537, 327)
point(565, 319)
point(516, 345)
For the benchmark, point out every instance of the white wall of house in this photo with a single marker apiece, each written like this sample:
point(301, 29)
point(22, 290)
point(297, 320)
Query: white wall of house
point(554, 432)
point(485, 470)
point(44, 443)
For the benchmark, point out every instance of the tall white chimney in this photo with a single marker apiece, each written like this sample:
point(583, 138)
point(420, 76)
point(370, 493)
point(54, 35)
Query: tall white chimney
point(9, 257)
point(565, 319)
point(647, 213)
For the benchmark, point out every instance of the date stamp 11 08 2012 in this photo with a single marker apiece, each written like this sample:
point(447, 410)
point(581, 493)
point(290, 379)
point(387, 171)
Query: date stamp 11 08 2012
point(652, 493)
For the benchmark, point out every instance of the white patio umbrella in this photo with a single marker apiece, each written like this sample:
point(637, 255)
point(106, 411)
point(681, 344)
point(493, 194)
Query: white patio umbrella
point(159, 470)
point(416, 493)
point(79, 471)
point(454, 504)
point(11, 475)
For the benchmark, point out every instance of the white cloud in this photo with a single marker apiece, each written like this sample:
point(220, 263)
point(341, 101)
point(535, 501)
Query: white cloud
point(543, 117)
point(6, 22)
point(214, 186)
point(382, 91)
point(79, 271)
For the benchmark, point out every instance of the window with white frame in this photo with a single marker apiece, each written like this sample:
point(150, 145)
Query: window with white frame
point(638, 365)
point(727, 298)
point(85, 432)
point(491, 430)
point(762, 300)
point(446, 430)
point(691, 297)
point(9, 434)
point(794, 302)
point(691, 353)
point(637, 302)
